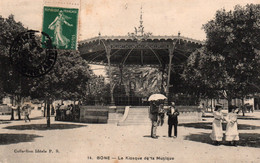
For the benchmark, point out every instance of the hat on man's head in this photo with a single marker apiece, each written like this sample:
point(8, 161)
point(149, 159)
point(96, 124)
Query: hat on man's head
point(218, 105)
point(173, 103)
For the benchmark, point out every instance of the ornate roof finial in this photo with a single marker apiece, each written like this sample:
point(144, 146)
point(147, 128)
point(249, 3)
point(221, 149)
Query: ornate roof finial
point(99, 35)
point(141, 28)
point(139, 33)
point(179, 34)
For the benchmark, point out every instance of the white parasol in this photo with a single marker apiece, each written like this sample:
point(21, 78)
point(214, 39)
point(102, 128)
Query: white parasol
point(155, 97)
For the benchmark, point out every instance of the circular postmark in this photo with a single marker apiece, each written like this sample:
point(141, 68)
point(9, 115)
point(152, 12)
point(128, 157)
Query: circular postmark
point(30, 55)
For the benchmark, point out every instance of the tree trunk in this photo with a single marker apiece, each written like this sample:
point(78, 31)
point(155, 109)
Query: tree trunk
point(19, 112)
point(12, 111)
point(19, 102)
point(48, 114)
point(207, 101)
point(243, 107)
point(12, 115)
point(211, 105)
point(229, 98)
point(52, 109)
point(44, 110)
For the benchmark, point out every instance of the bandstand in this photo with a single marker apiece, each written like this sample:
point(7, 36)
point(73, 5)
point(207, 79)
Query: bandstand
point(138, 49)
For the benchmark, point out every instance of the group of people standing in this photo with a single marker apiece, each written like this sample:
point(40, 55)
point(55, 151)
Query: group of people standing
point(67, 112)
point(157, 114)
point(231, 134)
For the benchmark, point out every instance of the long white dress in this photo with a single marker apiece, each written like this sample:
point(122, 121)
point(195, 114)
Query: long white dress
point(217, 131)
point(231, 129)
point(59, 38)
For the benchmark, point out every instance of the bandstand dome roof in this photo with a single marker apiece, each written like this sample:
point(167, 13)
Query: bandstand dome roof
point(126, 50)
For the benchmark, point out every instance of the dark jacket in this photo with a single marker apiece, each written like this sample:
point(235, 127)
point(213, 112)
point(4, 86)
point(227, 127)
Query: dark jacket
point(153, 112)
point(172, 118)
point(154, 109)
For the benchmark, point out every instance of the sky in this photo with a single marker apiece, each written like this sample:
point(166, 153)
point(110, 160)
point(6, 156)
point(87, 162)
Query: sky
point(118, 17)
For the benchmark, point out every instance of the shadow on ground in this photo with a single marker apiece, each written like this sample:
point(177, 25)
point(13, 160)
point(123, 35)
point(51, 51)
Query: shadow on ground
point(208, 126)
point(246, 139)
point(34, 118)
point(4, 122)
point(208, 116)
point(6, 139)
point(248, 118)
point(240, 116)
point(149, 136)
point(44, 127)
point(37, 118)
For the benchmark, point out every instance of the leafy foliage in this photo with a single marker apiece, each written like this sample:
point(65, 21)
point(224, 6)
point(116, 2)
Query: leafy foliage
point(97, 91)
point(8, 78)
point(205, 73)
point(67, 81)
point(230, 59)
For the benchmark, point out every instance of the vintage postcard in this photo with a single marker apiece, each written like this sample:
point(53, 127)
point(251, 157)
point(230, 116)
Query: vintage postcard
point(117, 81)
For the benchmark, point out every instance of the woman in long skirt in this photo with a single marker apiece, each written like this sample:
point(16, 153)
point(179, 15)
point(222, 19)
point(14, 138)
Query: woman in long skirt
point(57, 26)
point(217, 131)
point(232, 135)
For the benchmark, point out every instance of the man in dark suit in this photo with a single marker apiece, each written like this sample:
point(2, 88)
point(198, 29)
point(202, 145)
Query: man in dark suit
point(172, 119)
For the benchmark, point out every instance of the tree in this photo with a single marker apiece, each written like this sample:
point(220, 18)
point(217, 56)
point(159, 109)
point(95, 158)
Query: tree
point(67, 80)
point(151, 80)
point(230, 60)
point(10, 81)
point(205, 74)
point(97, 91)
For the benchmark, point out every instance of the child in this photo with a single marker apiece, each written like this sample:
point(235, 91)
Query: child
point(232, 135)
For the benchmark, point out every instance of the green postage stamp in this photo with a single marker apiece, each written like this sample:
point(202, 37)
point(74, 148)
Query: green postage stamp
point(61, 25)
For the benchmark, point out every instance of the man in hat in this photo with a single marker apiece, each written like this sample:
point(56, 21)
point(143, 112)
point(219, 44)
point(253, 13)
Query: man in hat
point(173, 114)
point(153, 114)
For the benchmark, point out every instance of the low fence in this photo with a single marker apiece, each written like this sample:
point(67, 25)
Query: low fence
point(134, 117)
point(5, 110)
point(94, 114)
point(189, 114)
point(107, 114)
point(184, 109)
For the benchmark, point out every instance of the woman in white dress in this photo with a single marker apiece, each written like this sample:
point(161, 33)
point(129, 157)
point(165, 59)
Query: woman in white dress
point(217, 131)
point(232, 135)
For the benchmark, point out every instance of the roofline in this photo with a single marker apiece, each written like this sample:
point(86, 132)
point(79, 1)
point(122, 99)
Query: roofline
point(130, 38)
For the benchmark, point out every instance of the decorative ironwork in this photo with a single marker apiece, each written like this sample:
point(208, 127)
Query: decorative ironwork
point(139, 33)
point(141, 45)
